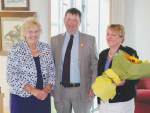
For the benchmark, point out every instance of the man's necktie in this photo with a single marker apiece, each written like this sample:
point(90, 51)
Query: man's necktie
point(66, 65)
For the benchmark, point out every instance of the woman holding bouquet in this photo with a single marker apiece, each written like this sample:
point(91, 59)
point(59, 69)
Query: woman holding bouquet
point(123, 102)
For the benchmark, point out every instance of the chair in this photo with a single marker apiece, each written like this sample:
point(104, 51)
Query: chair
point(142, 101)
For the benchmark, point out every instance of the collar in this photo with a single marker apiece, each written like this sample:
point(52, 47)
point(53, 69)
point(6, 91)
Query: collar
point(75, 35)
point(27, 47)
point(105, 52)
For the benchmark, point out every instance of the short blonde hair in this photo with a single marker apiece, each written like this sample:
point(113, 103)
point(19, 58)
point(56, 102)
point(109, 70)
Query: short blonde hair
point(30, 23)
point(118, 28)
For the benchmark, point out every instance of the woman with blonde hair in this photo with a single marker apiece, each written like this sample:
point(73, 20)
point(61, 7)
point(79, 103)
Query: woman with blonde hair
point(123, 102)
point(30, 71)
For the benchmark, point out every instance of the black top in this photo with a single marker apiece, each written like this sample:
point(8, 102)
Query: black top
point(128, 90)
point(39, 84)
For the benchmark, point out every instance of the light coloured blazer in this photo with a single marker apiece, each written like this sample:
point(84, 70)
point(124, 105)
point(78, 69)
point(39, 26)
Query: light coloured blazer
point(88, 60)
point(21, 68)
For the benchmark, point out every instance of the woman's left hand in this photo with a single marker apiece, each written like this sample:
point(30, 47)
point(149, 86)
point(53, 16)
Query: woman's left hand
point(43, 94)
point(121, 83)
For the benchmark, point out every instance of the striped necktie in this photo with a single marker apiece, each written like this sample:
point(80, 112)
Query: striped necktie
point(66, 65)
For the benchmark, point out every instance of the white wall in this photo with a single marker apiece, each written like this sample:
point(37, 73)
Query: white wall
point(104, 22)
point(41, 9)
point(134, 15)
point(3, 84)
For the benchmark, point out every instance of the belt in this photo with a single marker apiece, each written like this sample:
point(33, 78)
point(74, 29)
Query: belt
point(72, 85)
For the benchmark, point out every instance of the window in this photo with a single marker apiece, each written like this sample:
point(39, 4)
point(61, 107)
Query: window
point(54, 17)
point(95, 19)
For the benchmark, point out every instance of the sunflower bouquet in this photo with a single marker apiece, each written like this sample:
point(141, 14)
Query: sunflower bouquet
point(124, 66)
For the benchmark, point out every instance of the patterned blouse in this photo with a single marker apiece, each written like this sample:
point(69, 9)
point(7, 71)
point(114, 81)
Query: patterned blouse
point(21, 68)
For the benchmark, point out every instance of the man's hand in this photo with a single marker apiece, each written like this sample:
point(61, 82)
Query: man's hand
point(91, 94)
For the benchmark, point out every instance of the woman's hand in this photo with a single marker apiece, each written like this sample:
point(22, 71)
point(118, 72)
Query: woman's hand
point(52, 93)
point(39, 94)
point(36, 92)
point(98, 105)
point(44, 93)
point(121, 83)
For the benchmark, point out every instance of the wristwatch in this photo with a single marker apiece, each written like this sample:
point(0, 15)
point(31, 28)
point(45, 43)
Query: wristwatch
point(47, 89)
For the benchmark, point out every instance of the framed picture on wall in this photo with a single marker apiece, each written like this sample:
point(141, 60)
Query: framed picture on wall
point(10, 29)
point(21, 5)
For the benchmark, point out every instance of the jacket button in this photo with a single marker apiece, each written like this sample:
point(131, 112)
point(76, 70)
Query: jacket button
point(118, 93)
